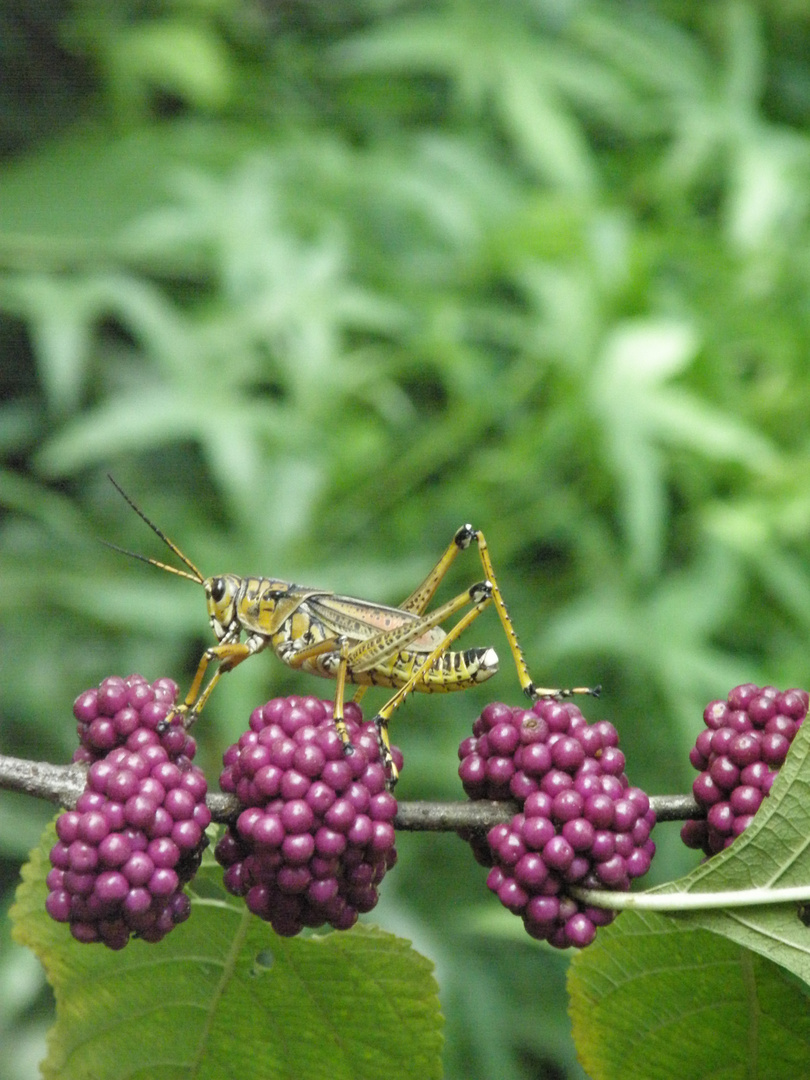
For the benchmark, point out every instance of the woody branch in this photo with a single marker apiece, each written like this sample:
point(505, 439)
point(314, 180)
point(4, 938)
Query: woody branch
point(63, 784)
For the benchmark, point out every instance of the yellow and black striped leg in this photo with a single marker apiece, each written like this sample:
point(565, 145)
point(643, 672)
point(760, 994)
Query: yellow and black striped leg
point(368, 654)
point(527, 685)
point(424, 593)
point(481, 596)
point(421, 597)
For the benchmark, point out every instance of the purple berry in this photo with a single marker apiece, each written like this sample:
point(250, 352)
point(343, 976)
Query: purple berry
point(579, 931)
point(536, 832)
point(745, 799)
point(579, 833)
point(120, 710)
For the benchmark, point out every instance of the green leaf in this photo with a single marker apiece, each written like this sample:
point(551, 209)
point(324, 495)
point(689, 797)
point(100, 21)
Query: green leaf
point(772, 853)
point(223, 996)
point(68, 200)
point(650, 995)
point(493, 56)
point(26, 496)
point(642, 413)
point(548, 136)
point(140, 419)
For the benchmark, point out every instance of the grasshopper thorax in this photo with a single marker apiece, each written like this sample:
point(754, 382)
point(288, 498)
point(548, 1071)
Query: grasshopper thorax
point(221, 597)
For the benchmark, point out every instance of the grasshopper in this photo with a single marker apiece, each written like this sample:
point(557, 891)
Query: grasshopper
point(347, 639)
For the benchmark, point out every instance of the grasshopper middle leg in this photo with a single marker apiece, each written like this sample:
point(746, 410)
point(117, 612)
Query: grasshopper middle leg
point(376, 650)
point(350, 660)
point(481, 597)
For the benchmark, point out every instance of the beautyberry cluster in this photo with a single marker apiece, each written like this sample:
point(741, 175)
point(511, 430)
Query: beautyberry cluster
point(136, 835)
point(118, 713)
point(580, 821)
point(316, 837)
point(738, 755)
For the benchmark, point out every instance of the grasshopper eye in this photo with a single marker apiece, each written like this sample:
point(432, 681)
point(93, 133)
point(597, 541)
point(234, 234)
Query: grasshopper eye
point(217, 589)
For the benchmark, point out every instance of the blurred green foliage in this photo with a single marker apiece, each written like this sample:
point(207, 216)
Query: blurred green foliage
point(318, 283)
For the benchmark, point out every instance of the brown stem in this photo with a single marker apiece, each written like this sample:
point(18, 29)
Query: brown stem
point(62, 784)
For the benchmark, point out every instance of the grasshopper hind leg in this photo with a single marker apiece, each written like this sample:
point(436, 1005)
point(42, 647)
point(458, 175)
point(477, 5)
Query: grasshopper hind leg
point(480, 596)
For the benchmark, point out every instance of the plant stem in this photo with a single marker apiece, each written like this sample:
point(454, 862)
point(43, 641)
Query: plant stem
point(63, 784)
point(689, 901)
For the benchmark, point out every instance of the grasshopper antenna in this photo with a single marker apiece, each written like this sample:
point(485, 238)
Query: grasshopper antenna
point(194, 576)
point(152, 562)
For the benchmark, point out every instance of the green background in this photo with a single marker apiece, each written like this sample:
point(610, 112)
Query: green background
point(320, 282)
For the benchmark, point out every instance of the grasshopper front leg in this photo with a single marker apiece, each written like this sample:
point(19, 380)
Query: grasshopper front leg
point(230, 655)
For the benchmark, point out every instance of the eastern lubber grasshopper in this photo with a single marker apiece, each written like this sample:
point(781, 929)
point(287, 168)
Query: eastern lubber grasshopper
point(350, 640)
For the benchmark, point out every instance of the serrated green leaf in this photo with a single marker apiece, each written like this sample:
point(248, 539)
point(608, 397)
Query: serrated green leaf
point(223, 996)
point(649, 996)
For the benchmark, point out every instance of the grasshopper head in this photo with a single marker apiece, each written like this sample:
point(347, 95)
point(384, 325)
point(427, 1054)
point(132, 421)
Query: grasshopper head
point(221, 595)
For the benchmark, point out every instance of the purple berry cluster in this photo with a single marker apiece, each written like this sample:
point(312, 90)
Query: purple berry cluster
point(118, 711)
point(316, 837)
point(580, 821)
point(136, 835)
point(738, 755)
